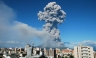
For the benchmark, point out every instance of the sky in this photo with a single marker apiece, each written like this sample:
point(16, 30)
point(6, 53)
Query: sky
point(79, 25)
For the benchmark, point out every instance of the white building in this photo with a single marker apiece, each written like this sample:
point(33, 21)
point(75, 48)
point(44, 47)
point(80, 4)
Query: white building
point(83, 52)
point(5, 55)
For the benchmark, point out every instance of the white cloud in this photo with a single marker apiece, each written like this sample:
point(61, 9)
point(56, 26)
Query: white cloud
point(12, 42)
point(84, 43)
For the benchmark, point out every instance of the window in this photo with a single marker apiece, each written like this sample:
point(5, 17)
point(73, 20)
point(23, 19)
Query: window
point(77, 49)
point(88, 48)
point(81, 47)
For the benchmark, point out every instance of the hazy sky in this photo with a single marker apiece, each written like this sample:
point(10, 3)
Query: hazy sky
point(79, 25)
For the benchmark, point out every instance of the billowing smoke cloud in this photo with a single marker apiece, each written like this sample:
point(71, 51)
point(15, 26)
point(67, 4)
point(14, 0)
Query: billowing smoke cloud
point(52, 15)
point(19, 32)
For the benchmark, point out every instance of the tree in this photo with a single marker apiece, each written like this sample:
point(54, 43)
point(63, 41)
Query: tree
point(63, 57)
point(66, 57)
point(71, 56)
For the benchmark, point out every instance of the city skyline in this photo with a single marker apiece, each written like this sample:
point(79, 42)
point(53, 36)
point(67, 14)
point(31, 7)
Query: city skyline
point(79, 25)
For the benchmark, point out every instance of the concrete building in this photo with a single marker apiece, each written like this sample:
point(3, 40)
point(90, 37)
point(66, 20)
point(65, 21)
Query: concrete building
point(58, 53)
point(1, 55)
point(67, 52)
point(44, 51)
point(30, 52)
point(57, 50)
point(51, 53)
point(94, 54)
point(27, 47)
point(47, 53)
point(83, 52)
point(21, 49)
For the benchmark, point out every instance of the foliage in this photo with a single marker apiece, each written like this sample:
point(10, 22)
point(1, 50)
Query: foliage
point(71, 56)
point(66, 57)
point(62, 57)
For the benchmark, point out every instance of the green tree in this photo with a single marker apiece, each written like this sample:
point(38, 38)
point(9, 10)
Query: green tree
point(62, 56)
point(66, 57)
point(71, 56)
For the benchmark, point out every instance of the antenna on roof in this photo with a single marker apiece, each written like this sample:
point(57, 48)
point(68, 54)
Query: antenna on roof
point(32, 44)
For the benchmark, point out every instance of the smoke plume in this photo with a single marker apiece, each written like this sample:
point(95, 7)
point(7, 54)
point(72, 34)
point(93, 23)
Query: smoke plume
point(52, 15)
point(16, 33)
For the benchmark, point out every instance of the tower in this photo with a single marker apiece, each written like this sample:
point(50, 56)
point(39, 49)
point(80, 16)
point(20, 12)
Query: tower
point(32, 47)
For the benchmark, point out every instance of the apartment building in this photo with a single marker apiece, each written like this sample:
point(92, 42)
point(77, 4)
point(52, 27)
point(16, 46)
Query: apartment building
point(94, 54)
point(67, 52)
point(51, 53)
point(83, 52)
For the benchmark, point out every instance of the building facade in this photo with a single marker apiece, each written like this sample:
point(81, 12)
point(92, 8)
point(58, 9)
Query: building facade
point(83, 52)
point(51, 53)
point(67, 52)
point(94, 54)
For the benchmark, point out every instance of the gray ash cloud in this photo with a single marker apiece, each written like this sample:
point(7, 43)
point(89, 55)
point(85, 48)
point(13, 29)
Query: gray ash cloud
point(52, 15)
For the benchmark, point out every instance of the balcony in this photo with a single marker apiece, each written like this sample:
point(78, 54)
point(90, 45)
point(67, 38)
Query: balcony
point(85, 57)
point(84, 49)
point(85, 54)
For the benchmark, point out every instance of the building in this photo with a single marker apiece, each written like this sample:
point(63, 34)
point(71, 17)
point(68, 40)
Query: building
point(83, 52)
point(51, 53)
point(44, 51)
point(27, 47)
point(94, 54)
point(67, 52)
point(32, 52)
point(58, 53)
point(1, 55)
point(57, 50)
